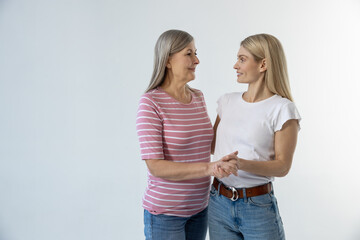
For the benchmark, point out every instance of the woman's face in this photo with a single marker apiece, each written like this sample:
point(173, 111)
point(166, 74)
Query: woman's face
point(248, 70)
point(182, 65)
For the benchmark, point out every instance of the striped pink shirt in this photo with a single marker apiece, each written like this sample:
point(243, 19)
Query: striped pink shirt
point(178, 132)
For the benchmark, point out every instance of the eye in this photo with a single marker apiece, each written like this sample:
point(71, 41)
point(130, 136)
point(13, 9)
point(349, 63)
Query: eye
point(189, 54)
point(242, 60)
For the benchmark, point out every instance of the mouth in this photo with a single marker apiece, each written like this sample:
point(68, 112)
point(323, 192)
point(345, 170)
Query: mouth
point(192, 69)
point(239, 74)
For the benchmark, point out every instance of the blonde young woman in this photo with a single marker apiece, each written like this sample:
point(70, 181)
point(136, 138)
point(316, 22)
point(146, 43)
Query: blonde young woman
point(175, 135)
point(261, 124)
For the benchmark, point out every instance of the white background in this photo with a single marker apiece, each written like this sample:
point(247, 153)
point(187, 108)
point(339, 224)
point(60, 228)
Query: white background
point(71, 75)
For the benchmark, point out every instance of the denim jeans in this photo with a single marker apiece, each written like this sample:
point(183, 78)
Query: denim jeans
point(253, 218)
point(164, 227)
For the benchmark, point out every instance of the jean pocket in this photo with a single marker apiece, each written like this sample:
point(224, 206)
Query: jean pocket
point(264, 200)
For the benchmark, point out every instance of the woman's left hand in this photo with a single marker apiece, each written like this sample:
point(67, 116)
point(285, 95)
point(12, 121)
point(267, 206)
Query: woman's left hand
point(227, 165)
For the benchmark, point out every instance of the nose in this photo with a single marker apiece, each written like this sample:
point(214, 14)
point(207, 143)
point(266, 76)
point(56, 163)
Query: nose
point(196, 60)
point(235, 66)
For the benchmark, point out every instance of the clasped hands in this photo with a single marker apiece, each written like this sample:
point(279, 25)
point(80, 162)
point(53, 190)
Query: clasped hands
point(226, 166)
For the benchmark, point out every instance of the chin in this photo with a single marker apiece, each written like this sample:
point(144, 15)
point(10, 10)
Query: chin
point(241, 81)
point(192, 78)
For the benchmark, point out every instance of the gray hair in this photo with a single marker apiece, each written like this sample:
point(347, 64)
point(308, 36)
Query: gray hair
point(170, 42)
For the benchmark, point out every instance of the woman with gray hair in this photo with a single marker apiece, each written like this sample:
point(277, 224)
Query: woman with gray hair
point(175, 135)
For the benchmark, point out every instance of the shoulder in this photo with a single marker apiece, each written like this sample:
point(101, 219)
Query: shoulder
point(153, 94)
point(230, 96)
point(198, 95)
point(282, 102)
point(234, 95)
point(279, 106)
point(151, 97)
point(284, 111)
point(197, 92)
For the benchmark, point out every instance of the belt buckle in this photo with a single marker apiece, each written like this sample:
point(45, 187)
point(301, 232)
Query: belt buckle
point(235, 193)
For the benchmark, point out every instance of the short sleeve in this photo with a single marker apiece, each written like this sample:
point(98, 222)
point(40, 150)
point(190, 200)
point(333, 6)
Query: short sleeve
point(287, 112)
point(149, 129)
point(221, 104)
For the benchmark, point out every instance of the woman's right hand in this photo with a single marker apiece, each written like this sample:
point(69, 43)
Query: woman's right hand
point(226, 166)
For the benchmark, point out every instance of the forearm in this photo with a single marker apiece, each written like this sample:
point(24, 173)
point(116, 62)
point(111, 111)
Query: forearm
point(184, 171)
point(273, 168)
point(178, 171)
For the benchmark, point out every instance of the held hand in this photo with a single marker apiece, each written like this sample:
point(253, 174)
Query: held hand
point(230, 156)
point(224, 168)
point(233, 156)
point(219, 173)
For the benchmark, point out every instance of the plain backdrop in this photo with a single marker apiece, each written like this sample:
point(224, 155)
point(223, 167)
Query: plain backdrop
point(71, 75)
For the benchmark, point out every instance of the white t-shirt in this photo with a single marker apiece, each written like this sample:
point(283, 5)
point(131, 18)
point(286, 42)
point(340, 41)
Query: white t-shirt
point(250, 128)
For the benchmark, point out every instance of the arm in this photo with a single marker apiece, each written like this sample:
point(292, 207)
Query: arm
point(149, 128)
point(285, 143)
point(217, 121)
point(184, 171)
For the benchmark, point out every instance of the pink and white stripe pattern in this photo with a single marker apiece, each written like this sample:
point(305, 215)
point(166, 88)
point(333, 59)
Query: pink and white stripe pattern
point(170, 130)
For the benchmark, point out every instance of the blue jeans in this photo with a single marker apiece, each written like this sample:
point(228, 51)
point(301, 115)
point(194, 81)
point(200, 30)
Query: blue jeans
point(164, 227)
point(253, 218)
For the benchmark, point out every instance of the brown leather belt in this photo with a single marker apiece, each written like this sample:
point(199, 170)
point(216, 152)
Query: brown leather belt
point(236, 193)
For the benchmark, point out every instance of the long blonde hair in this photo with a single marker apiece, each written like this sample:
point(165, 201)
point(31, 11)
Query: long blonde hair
point(265, 46)
point(170, 42)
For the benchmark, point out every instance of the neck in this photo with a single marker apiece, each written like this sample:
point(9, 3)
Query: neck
point(176, 89)
point(257, 92)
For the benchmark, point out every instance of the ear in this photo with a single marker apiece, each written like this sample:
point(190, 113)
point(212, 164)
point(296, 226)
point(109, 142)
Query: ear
point(263, 66)
point(168, 64)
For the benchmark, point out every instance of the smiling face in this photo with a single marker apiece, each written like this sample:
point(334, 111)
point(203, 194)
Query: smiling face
point(182, 65)
point(248, 70)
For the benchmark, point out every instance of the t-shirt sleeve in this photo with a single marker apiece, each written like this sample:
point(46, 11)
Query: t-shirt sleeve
point(149, 129)
point(287, 112)
point(221, 104)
